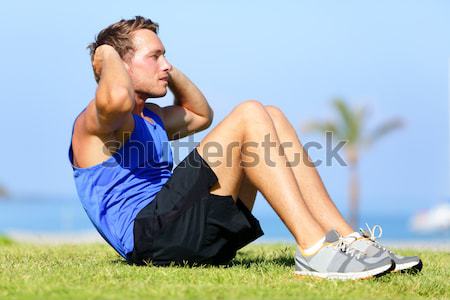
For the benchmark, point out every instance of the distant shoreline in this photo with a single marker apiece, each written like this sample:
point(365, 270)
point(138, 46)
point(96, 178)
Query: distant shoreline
point(436, 244)
point(52, 238)
point(90, 236)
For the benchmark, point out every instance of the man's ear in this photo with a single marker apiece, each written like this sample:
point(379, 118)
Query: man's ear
point(127, 60)
point(127, 66)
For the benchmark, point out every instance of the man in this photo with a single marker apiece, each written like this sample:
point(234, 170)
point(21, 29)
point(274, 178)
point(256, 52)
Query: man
point(201, 212)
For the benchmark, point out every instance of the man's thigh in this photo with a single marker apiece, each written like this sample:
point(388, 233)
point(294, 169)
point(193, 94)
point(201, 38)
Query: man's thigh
point(221, 149)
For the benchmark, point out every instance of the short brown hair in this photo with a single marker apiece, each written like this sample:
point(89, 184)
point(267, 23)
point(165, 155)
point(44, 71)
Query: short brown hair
point(118, 35)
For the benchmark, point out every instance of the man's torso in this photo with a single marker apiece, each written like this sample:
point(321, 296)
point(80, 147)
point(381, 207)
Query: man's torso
point(114, 188)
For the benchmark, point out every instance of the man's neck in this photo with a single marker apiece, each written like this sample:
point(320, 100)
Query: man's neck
point(139, 104)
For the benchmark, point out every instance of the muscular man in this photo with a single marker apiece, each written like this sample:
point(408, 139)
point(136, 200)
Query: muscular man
point(199, 213)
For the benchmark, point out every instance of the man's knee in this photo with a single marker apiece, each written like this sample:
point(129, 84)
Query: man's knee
point(251, 110)
point(274, 112)
point(250, 106)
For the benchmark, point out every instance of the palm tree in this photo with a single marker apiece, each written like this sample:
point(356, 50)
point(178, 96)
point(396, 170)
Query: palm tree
point(3, 192)
point(350, 127)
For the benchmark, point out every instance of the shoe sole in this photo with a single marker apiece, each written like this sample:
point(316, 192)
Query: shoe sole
point(377, 272)
point(411, 267)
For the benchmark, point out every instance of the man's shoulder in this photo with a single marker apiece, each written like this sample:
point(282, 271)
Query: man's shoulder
point(79, 121)
point(88, 122)
point(154, 108)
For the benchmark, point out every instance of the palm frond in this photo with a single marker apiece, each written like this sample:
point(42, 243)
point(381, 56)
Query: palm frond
point(350, 121)
point(384, 129)
point(362, 114)
point(322, 127)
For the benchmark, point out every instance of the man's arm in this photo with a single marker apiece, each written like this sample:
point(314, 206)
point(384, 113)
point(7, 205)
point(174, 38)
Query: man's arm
point(114, 97)
point(190, 112)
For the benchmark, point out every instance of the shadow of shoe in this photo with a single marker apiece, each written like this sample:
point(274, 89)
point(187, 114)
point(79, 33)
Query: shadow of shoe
point(414, 270)
point(248, 262)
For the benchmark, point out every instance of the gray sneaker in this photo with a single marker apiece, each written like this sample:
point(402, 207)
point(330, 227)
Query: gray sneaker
point(336, 260)
point(371, 248)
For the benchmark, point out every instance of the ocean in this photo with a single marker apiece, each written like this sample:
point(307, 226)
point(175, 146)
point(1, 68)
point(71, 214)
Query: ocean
point(36, 215)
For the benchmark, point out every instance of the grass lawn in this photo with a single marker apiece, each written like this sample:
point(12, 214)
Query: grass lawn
point(258, 272)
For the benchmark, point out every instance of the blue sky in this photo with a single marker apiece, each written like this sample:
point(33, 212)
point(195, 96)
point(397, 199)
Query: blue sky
point(296, 55)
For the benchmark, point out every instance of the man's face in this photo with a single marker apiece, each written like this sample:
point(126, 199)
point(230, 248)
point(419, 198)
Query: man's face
point(147, 66)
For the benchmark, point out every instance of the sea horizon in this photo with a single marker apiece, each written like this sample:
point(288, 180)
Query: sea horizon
point(53, 216)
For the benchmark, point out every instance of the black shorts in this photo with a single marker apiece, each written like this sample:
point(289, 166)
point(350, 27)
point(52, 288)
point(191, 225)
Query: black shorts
point(186, 224)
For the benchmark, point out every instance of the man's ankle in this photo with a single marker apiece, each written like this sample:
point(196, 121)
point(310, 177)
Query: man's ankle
point(312, 249)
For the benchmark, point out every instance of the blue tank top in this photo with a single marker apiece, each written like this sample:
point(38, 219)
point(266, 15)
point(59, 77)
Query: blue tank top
point(113, 192)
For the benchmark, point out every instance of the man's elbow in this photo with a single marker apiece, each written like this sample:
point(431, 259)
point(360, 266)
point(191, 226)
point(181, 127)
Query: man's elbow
point(114, 100)
point(205, 122)
point(209, 119)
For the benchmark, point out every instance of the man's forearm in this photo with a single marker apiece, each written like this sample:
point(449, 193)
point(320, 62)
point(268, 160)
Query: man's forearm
point(114, 79)
point(188, 95)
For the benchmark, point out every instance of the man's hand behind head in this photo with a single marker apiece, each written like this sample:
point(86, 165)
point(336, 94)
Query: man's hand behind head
point(99, 57)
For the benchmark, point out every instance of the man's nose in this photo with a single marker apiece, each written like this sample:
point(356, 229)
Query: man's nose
point(166, 66)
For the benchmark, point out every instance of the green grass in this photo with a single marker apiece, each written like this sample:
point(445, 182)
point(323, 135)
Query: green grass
point(5, 241)
point(258, 272)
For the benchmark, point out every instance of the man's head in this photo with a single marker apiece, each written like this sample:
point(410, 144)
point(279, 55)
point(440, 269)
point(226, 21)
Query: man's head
point(141, 50)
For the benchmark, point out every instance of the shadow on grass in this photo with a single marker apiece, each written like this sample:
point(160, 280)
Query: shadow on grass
point(243, 259)
point(248, 262)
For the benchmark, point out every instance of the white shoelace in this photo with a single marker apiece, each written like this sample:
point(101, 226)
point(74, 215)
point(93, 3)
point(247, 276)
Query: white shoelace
point(370, 234)
point(344, 245)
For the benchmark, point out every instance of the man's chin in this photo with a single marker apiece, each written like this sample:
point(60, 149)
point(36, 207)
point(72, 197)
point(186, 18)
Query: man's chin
point(157, 94)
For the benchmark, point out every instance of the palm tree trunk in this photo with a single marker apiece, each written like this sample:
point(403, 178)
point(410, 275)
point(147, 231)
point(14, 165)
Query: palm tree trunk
point(354, 189)
point(354, 197)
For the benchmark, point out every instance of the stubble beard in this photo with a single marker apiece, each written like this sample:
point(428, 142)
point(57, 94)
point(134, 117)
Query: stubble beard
point(154, 93)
